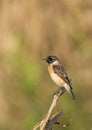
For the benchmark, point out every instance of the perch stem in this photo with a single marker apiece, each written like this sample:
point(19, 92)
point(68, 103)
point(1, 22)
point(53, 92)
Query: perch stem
point(53, 104)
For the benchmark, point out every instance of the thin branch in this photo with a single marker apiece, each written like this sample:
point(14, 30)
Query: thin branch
point(44, 121)
point(53, 120)
point(60, 92)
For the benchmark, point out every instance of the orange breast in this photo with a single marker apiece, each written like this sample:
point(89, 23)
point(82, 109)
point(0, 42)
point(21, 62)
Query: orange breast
point(55, 77)
point(50, 68)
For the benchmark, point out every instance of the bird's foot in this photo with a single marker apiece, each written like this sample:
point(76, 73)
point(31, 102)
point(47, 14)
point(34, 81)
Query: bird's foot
point(58, 90)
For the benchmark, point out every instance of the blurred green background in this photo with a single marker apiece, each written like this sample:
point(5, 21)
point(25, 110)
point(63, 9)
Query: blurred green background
point(29, 31)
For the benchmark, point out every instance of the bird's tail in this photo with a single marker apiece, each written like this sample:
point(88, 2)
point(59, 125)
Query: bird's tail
point(72, 94)
point(70, 91)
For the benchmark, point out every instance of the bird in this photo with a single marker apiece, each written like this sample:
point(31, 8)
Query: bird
point(58, 74)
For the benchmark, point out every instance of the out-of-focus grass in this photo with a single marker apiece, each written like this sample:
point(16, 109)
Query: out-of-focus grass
point(22, 78)
point(26, 78)
point(29, 74)
point(27, 71)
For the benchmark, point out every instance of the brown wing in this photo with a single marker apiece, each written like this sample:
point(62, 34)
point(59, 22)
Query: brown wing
point(59, 70)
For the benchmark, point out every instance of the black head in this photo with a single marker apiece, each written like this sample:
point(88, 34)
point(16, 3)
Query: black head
point(51, 59)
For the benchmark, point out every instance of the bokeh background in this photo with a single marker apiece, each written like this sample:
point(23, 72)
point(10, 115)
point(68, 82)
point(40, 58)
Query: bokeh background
point(29, 31)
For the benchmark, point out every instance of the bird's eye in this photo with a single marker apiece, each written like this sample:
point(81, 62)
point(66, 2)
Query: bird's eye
point(50, 59)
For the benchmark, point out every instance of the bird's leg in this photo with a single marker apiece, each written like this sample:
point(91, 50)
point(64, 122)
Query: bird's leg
point(58, 90)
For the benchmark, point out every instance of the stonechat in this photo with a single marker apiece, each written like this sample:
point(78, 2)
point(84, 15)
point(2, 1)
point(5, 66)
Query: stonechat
point(58, 74)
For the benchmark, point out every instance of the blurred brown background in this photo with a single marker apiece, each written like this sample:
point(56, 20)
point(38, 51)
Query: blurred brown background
point(29, 31)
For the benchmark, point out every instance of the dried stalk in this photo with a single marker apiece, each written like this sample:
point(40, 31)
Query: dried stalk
point(44, 121)
point(53, 120)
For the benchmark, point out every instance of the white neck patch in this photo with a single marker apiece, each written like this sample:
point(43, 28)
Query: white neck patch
point(56, 62)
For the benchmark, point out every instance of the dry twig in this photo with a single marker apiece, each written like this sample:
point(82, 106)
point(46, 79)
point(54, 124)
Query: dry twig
point(53, 120)
point(42, 124)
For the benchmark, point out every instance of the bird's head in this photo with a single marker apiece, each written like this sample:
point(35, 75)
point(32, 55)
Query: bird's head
point(52, 60)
